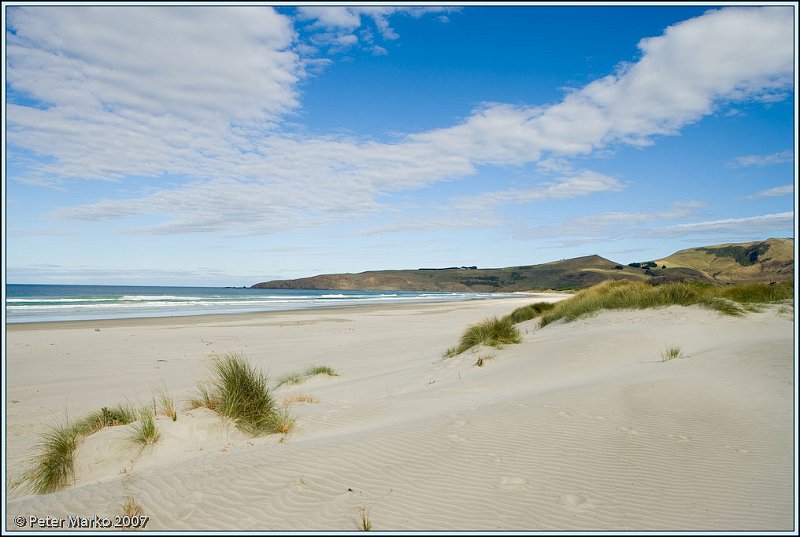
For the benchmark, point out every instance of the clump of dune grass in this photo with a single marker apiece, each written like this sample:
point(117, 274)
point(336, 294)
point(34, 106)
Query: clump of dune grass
point(280, 422)
point(640, 295)
point(131, 507)
point(240, 393)
point(205, 397)
point(493, 332)
point(167, 404)
point(54, 464)
point(294, 378)
point(299, 398)
point(244, 394)
point(531, 311)
point(671, 353)
point(298, 378)
point(145, 432)
point(122, 414)
point(366, 523)
point(320, 370)
point(724, 306)
point(759, 293)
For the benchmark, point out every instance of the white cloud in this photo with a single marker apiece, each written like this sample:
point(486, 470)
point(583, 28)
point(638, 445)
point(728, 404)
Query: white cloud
point(146, 90)
point(335, 26)
point(613, 225)
point(345, 18)
point(478, 211)
point(119, 106)
point(196, 64)
point(291, 182)
point(53, 232)
point(786, 190)
point(336, 42)
point(752, 225)
point(444, 219)
point(578, 184)
point(349, 18)
point(725, 55)
point(780, 157)
point(79, 274)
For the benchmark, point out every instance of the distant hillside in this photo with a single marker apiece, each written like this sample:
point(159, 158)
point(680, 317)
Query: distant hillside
point(558, 275)
point(774, 262)
point(760, 261)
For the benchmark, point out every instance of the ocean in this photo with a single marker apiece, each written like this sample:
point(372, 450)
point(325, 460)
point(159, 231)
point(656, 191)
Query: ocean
point(40, 303)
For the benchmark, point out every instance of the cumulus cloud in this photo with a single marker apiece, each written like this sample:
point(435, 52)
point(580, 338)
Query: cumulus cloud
point(145, 90)
point(203, 92)
point(195, 64)
point(338, 28)
point(682, 75)
point(347, 19)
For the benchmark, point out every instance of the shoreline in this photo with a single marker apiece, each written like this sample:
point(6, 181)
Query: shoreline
point(251, 315)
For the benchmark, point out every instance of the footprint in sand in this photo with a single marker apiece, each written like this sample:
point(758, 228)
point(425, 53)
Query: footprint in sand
point(575, 502)
point(513, 483)
point(456, 438)
point(187, 507)
point(737, 449)
point(680, 438)
point(629, 431)
point(564, 414)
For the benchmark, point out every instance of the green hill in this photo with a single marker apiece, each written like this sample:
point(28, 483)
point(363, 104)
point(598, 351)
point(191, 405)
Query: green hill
point(566, 274)
point(773, 262)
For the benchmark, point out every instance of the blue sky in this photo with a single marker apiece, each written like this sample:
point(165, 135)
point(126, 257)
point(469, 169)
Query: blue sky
point(165, 145)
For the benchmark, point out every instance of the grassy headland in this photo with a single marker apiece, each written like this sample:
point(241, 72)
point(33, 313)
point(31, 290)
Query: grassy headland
point(756, 262)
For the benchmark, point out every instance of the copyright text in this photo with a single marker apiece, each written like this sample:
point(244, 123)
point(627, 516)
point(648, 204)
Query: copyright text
point(96, 521)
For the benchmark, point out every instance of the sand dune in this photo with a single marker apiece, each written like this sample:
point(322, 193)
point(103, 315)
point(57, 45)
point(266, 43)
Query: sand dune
point(580, 427)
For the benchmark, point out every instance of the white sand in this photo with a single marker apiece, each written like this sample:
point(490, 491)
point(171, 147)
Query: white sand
point(580, 427)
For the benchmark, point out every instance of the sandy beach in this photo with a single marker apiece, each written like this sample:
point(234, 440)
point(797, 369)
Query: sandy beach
point(582, 426)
